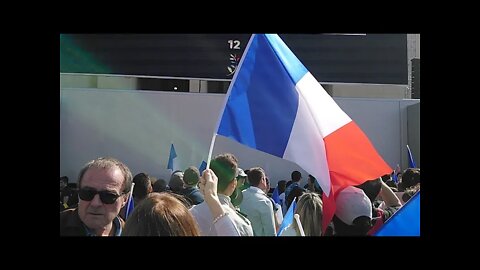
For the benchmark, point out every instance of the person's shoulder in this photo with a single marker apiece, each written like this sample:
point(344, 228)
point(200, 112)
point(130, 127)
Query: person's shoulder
point(198, 207)
point(196, 198)
point(264, 202)
point(69, 216)
point(262, 197)
point(70, 223)
point(248, 194)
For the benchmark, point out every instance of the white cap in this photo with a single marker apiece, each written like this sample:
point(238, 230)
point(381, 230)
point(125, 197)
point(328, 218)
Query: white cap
point(241, 173)
point(352, 203)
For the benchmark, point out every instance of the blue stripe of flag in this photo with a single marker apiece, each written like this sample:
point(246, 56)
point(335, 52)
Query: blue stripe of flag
point(263, 100)
point(292, 64)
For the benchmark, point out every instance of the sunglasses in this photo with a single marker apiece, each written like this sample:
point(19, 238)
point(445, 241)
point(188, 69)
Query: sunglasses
point(106, 197)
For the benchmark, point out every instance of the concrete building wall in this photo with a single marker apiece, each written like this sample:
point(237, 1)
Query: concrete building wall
point(138, 128)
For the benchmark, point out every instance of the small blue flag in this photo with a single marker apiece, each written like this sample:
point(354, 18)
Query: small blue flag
point(405, 222)
point(130, 203)
point(411, 162)
point(288, 218)
point(172, 156)
point(202, 167)
point(396, 171)
point(395, 177)
point(130, 207)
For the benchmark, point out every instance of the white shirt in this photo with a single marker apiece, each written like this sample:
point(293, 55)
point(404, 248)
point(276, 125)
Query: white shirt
point(203, 216)
point(259, 210)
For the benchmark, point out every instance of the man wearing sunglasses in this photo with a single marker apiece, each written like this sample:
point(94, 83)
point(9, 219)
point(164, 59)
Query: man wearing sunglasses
point(104, 187)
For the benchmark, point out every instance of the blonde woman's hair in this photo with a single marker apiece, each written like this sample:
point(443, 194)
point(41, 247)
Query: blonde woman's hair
point(310, 210)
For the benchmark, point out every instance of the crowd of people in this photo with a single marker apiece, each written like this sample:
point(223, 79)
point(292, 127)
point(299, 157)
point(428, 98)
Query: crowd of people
point(223, 200)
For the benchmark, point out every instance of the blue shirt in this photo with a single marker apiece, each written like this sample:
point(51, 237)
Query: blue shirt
point(290, 188)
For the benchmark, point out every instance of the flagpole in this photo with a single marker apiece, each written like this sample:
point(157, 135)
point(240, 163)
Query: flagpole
point(211, 149)
point(299, 224)
point(411, 161)
point(226, 100)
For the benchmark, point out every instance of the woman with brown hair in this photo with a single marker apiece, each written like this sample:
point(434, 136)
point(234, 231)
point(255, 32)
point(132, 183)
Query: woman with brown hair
point(161, 214)
point(164, 214)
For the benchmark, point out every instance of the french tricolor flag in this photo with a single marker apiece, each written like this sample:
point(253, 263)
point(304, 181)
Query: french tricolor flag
point(275, 105)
